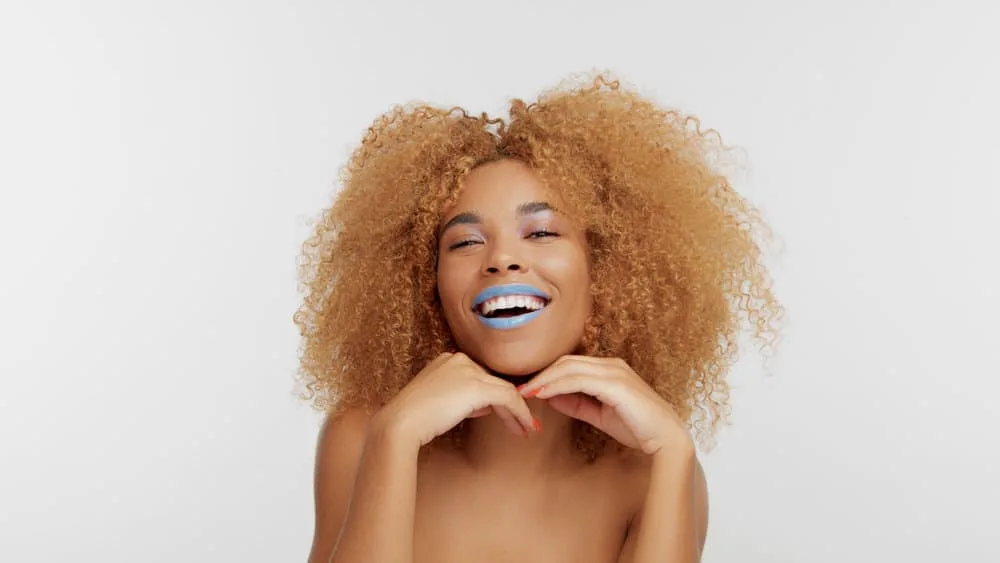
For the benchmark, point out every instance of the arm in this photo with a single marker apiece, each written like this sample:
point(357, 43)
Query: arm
point(609, 395)
point(338, 451)
point(673, 522)
point(379, 522)
point(365, 492)
point(367, 470)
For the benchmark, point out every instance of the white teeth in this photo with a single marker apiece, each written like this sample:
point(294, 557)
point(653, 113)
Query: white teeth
point(529, 302)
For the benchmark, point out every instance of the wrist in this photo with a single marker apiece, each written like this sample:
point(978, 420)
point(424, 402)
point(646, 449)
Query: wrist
point(681, 455)
point(389, 429)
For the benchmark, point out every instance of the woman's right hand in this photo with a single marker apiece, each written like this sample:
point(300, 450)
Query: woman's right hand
point(448, 390)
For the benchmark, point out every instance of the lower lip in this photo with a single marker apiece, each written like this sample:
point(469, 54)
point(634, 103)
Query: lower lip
point(508, 323)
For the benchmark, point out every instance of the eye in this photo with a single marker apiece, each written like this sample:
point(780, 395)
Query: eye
point(542, 233)
point(463, 244)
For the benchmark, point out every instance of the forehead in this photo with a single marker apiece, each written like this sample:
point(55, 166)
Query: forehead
point(503, 184)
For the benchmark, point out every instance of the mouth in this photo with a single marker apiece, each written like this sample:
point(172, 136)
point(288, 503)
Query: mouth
point(509, 306)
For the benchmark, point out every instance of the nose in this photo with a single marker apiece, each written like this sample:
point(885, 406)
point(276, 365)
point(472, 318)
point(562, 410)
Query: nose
point(502, 260)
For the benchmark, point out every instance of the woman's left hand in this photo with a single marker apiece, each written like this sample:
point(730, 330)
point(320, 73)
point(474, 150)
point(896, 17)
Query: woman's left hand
point(607, 394)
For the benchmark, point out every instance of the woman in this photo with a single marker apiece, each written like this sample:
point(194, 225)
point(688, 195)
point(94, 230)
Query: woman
point(513, 325)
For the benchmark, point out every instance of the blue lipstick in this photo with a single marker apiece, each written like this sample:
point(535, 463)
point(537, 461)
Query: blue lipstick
point(507, 323)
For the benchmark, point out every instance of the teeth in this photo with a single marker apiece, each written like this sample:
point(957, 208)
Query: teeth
point(511, 301)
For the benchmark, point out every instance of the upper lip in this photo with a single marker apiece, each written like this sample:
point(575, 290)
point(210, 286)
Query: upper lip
point(508, 289)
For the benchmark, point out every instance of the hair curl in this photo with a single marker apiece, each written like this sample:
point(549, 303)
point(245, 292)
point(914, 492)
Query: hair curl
point(676, 272)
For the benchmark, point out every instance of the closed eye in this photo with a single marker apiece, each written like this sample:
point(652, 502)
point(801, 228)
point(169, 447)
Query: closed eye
point(542, 233)
point(463, 244)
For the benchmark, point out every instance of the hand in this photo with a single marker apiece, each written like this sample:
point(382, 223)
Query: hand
point(447, 391)
point(607, 394)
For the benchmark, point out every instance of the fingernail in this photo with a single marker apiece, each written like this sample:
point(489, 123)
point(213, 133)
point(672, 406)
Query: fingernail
point(533, 392)
point(537, 425)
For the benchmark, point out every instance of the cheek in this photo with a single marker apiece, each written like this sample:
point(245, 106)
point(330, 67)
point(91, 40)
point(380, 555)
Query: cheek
point(581, 285)
point(572, 270)
point(449, 286)
point(444, 289)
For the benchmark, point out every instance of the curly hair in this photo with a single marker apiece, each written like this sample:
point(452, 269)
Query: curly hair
point(676, 261)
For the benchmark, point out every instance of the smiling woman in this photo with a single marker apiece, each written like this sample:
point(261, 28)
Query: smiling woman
point(580, 269)
point(516, 263)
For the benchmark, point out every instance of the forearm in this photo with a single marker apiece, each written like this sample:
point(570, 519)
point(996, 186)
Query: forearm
point(669, 532)
point(380, 517)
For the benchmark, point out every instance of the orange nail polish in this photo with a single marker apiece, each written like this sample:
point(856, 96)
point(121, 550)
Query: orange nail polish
point(537, 425)
point(533, 393)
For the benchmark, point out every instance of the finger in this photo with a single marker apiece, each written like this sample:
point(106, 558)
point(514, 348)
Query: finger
point(598, 360)
point(463, 359)
point(440, 359)
point(496, 381)
point(480, 412)
point(510, 398)
point(559, 369)
point(578, 406)
point(509, 420)
point(601, 388)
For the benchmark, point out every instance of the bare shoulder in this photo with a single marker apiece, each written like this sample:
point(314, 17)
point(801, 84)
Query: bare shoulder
point(338, 452)
point(636, 468)
point(638, 471)
point(340, 441)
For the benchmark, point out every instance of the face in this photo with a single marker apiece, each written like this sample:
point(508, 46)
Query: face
point(512, 271)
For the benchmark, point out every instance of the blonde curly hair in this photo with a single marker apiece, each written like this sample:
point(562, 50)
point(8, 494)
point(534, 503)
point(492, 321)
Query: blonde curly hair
point(676, 271)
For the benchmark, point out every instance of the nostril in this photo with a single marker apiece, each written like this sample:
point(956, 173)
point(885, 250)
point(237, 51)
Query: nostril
point(514, 267)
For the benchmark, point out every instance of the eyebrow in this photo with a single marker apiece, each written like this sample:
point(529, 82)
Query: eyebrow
point(472, 218)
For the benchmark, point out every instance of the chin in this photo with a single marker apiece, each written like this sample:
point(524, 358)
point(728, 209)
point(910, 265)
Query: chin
point(521, 361)
point(513, 368)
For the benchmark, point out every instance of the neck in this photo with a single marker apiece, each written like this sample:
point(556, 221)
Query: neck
point(490, 445)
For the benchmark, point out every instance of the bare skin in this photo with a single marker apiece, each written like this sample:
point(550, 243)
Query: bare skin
point(566, 511)
point(518, 490)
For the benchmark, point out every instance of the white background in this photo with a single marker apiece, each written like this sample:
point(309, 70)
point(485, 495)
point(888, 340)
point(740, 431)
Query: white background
point(160, 163)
